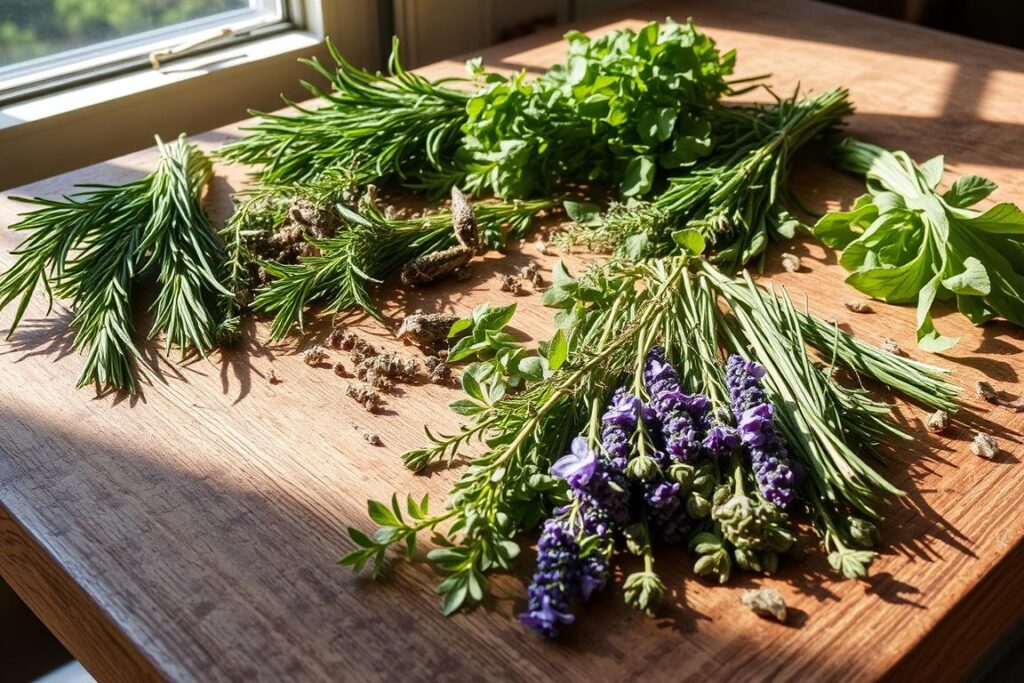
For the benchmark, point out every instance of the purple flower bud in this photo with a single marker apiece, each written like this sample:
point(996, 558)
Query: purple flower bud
point(756, 425)
point(576, 467)
point(623, 411)
point(721, 440)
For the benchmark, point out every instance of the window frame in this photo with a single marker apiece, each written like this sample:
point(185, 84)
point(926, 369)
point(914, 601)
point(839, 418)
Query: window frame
point(93, 122)
point(104, 59)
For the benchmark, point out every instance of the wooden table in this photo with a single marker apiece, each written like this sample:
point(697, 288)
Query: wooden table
point(192, 533)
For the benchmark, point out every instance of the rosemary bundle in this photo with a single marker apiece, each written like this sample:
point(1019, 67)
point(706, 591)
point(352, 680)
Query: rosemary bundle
point(687, 408)
point(403, 127)
point(93, 247)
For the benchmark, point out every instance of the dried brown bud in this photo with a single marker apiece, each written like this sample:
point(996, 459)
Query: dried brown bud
point(891, 346)
point(463, 221)
point(441, 373)
point(426, 329)
point(510, 283)
point(790, 263)
point(365, 396)
point(857, 306)
point(937, 422)
point(986, 392)
point(765, 602)
point(984, 446)
point(429, 267)
point(372, 439)
point(314, 355)
point(339, 369)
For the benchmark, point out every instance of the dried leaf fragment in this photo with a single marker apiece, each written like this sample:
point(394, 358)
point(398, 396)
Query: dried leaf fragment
point(765, 602)
point(429, 267)
point(314, 355)
point(857, 306)
point(463, 220)
point(986, 392)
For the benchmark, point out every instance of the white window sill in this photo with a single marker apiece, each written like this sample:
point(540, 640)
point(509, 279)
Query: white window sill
point(76, 99)
point(90, 123)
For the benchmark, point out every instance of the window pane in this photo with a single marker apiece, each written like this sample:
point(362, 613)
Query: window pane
point(38, 28)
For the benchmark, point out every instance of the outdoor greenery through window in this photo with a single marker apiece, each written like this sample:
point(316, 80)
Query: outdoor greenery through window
point(45, 39)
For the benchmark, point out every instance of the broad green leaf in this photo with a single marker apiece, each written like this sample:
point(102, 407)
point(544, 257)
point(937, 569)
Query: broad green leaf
point(968, 190)
point(690, 241)
point(381, 514)
point(466, 407)
point(532, 368)
point(838, 228)
point(638, 177)
point(932, 170)
point(558, 350)
point(1001, 219)
point(460, 326)
point(472, 387)
point(928, 338)
point(973, 281)
point(583, 213)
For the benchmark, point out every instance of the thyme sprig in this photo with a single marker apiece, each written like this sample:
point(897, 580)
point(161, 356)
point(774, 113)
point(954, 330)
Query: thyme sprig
point(92, 247)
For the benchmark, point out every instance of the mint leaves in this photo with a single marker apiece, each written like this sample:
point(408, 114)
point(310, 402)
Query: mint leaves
point(905, 242)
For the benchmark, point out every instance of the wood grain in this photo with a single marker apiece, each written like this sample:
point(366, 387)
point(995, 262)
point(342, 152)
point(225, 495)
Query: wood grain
point(191, 533)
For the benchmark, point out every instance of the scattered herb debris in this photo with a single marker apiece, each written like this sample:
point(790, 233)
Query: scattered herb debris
point(372, 438)
point(365, 395)
point(891, 346)
point(790, 263)
point(984, 446)
point(429, 267)
point(314, 355)
point(766, 602)
point(510, 283)
point(986, 392)
point(339, 369)
point(937, 422)
point(857, 306)
point(426, 330)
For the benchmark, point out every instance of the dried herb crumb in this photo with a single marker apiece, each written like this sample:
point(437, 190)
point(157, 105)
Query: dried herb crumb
point(429, 267)
point(984, 446)
point(891, 346)
point(790, 263)
point(339, 369)
point(365, 395)
point(510, 283)
point(937, 422)
point(314, 355)
point(426, 329)
point(857, 306)
point(765, 602)
point(372, 438)
point(272, 378)
point(986, 391)
point(441, 373)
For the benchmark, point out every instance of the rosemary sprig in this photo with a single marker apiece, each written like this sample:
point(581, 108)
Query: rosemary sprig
point(92, 247)
point(404, 127)
point(369, 247)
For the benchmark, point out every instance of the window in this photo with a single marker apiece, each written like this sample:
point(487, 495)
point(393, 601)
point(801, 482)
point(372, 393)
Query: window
point(46, 45)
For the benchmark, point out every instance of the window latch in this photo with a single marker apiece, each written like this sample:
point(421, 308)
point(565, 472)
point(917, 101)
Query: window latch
point(157, 57)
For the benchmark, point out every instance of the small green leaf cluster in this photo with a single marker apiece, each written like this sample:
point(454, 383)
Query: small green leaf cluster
point(393, 530)
point(903, 241)
point(502, 363)
point(618, 110)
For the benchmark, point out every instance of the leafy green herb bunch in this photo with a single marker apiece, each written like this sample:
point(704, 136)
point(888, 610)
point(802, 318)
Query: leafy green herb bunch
point(906, 242)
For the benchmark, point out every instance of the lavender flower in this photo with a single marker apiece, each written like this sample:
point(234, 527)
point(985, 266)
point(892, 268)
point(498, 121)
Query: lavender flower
point(755, 418)
point(593, 574)
point(721, 440)
point(556, 581)
point(578, 466)
point(680, 418)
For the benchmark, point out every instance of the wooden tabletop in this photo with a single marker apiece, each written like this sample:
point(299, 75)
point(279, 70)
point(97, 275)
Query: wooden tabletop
point(192, 533)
